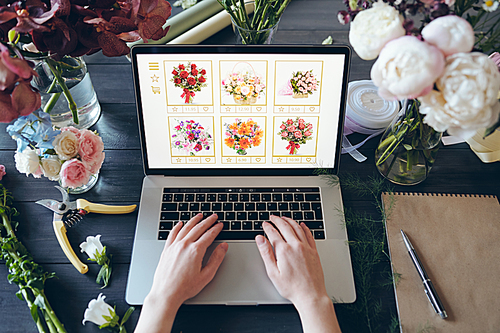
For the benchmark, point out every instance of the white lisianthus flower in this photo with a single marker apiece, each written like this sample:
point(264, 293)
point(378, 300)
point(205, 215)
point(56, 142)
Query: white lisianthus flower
point(371, 29)
point(91, 245)
point(51, 166)
point(407, 68)
point(467, 96)
point(451, 34)
point(66, 145)
point(27, 161)
point(96, 310)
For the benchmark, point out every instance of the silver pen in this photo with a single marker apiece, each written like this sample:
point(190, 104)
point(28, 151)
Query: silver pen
point(428, 286)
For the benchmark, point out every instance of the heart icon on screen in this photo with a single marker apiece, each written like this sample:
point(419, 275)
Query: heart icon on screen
point(312, 108)
point(207, 159)
point(258, 159)
point(259, 108)
point(308, 159)
point(205, 108)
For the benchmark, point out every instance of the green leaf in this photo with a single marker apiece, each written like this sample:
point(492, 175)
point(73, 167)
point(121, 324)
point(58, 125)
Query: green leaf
point(127, 315)
point(19, 295)
point(407, 146)
point(34, 312)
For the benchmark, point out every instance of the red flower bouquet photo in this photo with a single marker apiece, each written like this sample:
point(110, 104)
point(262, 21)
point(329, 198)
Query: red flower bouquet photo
point(297, 132)
point(190, 78)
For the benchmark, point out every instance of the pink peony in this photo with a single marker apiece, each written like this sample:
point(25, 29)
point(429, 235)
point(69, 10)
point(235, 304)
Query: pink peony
point(74, 174)
point(451, 34)
point(91, 150)
point(2, 171)
point(298, 134)
point(291, 128)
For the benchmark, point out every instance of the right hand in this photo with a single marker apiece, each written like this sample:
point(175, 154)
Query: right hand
point(294, 266)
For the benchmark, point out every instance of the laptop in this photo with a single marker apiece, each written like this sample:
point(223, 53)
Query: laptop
point(239, 131)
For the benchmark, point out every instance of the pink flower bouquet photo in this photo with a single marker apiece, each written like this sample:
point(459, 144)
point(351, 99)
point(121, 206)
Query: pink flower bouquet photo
point(297, 132)
point(191, 137)
point(190, 78)
point(245, 86)
point(303, 84)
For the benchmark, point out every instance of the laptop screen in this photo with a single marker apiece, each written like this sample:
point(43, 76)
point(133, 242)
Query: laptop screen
point(213, 110)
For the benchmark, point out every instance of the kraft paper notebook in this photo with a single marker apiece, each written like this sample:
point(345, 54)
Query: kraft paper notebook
point(457, 238)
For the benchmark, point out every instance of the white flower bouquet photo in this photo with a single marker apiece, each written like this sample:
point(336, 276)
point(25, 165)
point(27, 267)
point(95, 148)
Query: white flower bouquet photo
point(245, 86)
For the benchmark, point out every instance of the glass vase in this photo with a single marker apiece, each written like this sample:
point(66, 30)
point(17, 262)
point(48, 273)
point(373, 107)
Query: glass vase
point(253, 37)
point(408, 147)
point(85, 187)
point(63, 83)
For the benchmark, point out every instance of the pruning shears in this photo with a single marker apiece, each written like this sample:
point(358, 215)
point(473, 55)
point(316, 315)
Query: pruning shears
point(67, 213)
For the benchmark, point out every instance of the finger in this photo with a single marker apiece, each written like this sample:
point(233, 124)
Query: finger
point(208, 237)
point(273, 234)
point(200, 228)
point(296, 228)
point(190, 225)
point(267, 254)
point(173, 233)
point(285, 229)
point(214, 262)
point(309, 235)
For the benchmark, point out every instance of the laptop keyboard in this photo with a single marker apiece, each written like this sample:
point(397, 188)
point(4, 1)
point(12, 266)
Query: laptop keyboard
point(242, 210)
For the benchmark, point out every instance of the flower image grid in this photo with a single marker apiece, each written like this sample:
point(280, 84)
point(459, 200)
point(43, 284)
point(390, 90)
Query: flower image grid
point(297, 132)
point(191, 137)
point(242, 135)
point(245, 87)
point(190, 78)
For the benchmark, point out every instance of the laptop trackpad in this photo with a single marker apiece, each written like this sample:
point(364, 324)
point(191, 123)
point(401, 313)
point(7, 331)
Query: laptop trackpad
point(240, 280)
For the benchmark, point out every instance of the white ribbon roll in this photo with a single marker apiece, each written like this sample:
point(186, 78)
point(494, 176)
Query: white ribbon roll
point(366, 113)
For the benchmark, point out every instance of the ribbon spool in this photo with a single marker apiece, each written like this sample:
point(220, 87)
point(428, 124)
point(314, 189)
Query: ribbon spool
point(366, 113)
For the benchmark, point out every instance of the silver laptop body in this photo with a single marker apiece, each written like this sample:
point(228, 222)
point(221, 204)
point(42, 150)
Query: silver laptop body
point(241, 279)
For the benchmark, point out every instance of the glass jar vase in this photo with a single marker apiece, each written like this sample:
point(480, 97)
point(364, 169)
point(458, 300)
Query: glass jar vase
point(408, 147)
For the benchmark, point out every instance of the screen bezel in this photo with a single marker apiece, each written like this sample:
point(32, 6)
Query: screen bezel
point(242, 49)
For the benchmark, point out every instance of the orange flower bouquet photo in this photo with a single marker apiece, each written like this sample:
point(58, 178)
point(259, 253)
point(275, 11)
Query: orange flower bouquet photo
point(242, 135)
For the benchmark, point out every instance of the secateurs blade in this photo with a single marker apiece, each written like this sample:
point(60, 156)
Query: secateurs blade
point(67, 213)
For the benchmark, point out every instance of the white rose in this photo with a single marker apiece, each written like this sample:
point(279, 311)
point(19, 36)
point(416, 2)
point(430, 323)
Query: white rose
point(371, 29)
point(51, 166)
point(66, 145)
point(467, 97)
point(407, 68)
point(27, 161)
point(451, 34)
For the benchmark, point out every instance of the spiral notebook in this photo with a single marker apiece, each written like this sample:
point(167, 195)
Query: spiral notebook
point(457, 238)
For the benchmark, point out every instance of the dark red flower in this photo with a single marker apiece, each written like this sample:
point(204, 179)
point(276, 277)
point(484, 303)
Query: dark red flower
point(194, 72)
point(174, 72)
point(193, 66)
point(184, 74)
point(181, 67)
point(191, 136)
point(150, 16)
point(203, 72)
point(198, 147)
point(201, 79)
point(191, 81)
point(177, 81)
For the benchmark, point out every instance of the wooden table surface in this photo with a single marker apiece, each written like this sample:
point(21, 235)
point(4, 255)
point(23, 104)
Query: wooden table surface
point(457, 170)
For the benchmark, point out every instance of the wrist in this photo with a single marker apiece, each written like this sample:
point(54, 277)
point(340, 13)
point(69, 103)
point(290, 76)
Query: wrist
point(313, 303)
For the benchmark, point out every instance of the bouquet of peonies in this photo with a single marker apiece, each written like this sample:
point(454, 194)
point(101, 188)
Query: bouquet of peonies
point(242, 135)
point(297, 132)
point(457, 89)
point(245, 88)
point(191, 137)
point(69, 155)
point(189, 78)
point(303, 84)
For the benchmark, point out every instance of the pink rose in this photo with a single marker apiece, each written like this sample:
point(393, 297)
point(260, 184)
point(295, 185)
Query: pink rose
point(301, 121)
point(309, 126)
point(74, 174)
point(302, 126)
point(2, 171)
point(291, 128)
point(91, 150)
point(298, 134)
point(307, 133)
point(289, 122)
point(73, 130)
point(284, 134)
point(282, 126)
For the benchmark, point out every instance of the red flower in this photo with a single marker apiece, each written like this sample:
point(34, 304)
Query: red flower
point(188, 127)
point(174, 72)
point(184, 74)
point(197, 147)
point(194, 72)
point(203, 72)
point(191, 136)
point(191, 81)
point(289, 121)
point(181, 67)
point(201, 79)
point(193, 66)
point(177, 81)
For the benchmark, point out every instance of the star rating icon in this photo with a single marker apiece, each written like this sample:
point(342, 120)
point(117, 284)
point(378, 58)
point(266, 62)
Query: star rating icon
point(179, 160)
point(154, 78)
point(282, 109)
point(228, 109)
point(280, 159)
point(228, 159)
point(174, 109)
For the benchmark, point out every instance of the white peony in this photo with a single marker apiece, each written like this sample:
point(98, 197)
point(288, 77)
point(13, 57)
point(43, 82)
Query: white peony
point(451, 34)
point(27, 161)
point(51, 166)
point(96, 311)
point(92, 245)
point(371, 29)
point(407, 68)
point(467, 96)
point(66, 145)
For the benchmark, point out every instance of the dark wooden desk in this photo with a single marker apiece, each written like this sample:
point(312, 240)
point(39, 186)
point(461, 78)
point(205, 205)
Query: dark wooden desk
point(457, 170)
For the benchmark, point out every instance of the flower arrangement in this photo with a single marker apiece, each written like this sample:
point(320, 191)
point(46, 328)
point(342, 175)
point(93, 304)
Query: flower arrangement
point(98, 253)
point(242, 135)
point(303, 84)
point(51, 30)
point(297, 132)
point(68, 155)
point(245, 87)
point(191, 137)
point(189, 78)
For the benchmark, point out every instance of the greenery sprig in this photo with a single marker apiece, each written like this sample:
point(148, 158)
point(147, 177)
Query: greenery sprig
point(23, 271)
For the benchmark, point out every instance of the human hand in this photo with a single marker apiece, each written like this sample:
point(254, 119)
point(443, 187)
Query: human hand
point(294, 266)
point(179, 274)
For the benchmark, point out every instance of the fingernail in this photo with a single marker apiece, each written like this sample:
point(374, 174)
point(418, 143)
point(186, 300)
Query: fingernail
point(260, 240)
